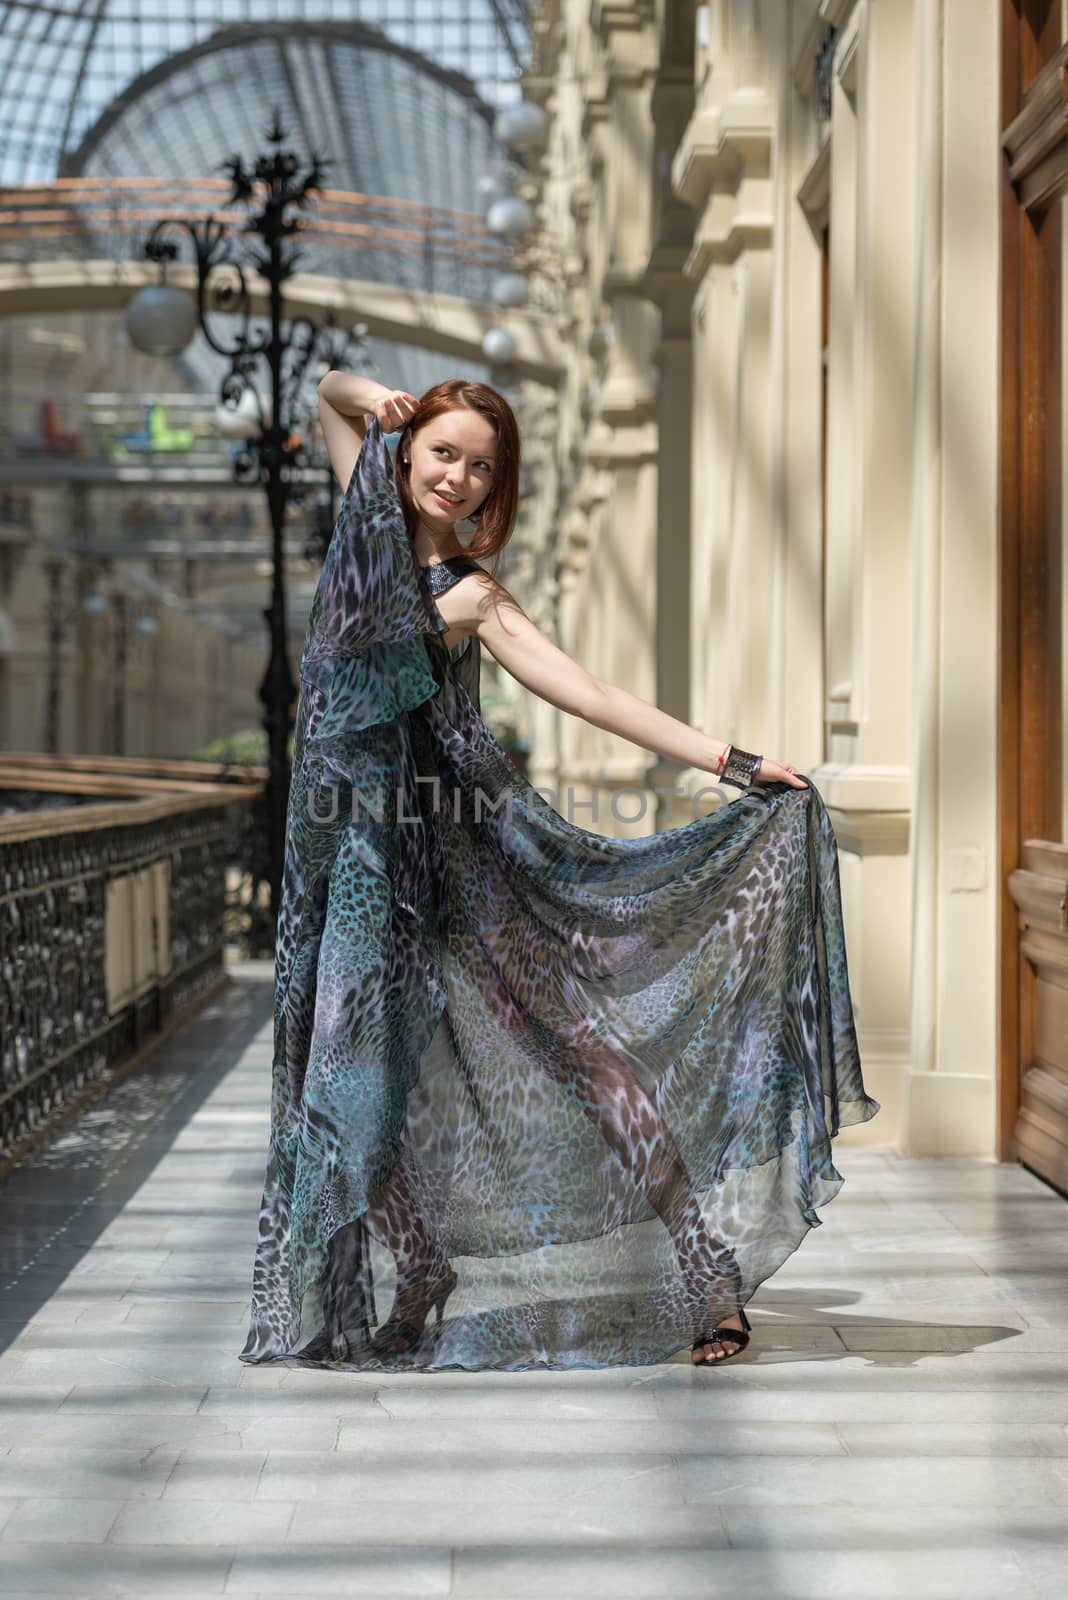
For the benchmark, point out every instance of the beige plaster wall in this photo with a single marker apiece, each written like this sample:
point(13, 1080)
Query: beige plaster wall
point(853, 638)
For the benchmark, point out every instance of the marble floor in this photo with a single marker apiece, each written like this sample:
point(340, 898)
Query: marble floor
point(898, 1428)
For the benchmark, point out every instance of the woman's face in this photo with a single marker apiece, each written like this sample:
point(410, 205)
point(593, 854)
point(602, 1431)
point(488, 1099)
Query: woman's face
point(452, 460)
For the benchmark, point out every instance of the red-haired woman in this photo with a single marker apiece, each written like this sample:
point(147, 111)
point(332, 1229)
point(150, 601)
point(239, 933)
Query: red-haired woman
point(580, 1090)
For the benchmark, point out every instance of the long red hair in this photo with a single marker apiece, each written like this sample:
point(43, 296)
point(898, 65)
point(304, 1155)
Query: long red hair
point(495, 518)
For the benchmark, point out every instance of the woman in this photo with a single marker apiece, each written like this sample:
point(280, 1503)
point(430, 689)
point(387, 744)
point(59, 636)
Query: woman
point(578, 1090)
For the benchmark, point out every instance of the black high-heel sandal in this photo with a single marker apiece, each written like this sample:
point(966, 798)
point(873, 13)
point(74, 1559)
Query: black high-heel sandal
point(386, 1340)
point(738, 1336)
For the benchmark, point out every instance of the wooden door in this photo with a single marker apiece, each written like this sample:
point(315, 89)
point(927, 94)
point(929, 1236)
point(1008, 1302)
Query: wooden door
point(1033, 836)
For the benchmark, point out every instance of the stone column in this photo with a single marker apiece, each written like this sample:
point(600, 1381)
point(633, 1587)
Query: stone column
point(667, 285)
point(722, 169)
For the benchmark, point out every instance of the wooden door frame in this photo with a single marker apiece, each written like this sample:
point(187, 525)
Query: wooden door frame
point(1034, 141)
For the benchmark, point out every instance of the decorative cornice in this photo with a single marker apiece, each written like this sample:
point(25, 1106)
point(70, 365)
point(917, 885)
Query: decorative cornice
point(540, 87)
point(621, 16)
point(845, 53)
point(628, 434)
point(720, 143)
point(837, 12)
point(622, 280)
point(814, 192)
point(664, 281)
point(804, 67)
point(869, 806)
point(870, 833)
point(731, 224)
point(854, 786)
point(595, 106)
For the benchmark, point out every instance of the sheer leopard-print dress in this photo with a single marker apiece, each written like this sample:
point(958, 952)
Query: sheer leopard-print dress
point(596, 1079)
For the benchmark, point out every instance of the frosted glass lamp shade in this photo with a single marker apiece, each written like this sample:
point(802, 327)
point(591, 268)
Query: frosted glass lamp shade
point(499, 346)
point(510, 218)
point(510, 289)
point(160, 320)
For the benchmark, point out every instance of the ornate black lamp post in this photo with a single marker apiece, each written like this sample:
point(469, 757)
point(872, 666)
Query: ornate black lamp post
point(274, 194)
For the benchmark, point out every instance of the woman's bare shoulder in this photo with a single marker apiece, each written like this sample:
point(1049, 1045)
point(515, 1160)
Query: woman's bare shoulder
point(479, 580)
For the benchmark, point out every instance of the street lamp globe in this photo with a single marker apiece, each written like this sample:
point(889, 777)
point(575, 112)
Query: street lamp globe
point(499, 346)
point(510, 217)
point(161, 320)
point(510, 289)
point(521, 127)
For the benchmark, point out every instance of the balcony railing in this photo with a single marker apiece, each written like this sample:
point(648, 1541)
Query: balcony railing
point(399, 242)
point(121, 883)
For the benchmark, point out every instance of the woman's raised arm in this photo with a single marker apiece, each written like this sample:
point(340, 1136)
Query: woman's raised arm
point(345, 401)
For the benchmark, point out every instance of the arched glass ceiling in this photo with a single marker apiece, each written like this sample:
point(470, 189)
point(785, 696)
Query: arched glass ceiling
point(331, 85)
point(64, 63)
point(390, 121)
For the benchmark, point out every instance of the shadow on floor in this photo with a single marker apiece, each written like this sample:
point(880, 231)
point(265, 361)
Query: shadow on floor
point(57, 1202)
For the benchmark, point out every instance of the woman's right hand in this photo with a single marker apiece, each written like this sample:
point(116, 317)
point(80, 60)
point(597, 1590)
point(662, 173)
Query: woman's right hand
point(394, 408)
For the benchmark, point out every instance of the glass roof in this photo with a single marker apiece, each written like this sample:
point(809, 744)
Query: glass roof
point(64, 65)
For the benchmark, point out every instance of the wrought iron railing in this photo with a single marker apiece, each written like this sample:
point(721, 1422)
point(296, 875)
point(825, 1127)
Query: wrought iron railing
point(114, 918)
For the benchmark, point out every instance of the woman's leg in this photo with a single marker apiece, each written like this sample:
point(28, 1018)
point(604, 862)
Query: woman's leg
point(631, 1125)
point(395, 1218)
point(611, 1095)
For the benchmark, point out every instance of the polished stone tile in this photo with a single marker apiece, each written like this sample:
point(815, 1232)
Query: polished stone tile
point(201, 1523)
point(379, 1573)
point(129, 1364)
point(864, 1481)
point(703, 1574)
point(1009, 1437)
point(490, 1479)
point(407, 1437)
point(103, 1428)
point(917, 1407)
point(180, 1572)
point(795, 1530)
point(60, 1521)
point(594, 1522)
point(131, 1398)
point(241, 1406)
point(211, 1474)
point(898, 1428)
point(29, 1472)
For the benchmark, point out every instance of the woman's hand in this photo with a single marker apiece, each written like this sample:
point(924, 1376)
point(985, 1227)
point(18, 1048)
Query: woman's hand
point(773, 772)
point(394, 408)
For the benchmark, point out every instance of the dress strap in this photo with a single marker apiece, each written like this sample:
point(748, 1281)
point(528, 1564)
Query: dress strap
point(441, 575)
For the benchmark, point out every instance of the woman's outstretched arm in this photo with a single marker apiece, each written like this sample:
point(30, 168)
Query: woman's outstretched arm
point(483, 606)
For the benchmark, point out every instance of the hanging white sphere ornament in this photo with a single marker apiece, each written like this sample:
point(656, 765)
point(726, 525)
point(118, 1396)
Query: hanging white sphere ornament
point(160, 320)
point(521, 127)
point(510, 217)
point(499, 346)
point(510, 289)
point(488, 184)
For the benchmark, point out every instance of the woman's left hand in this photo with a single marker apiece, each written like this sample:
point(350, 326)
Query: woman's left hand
point(775, 772)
